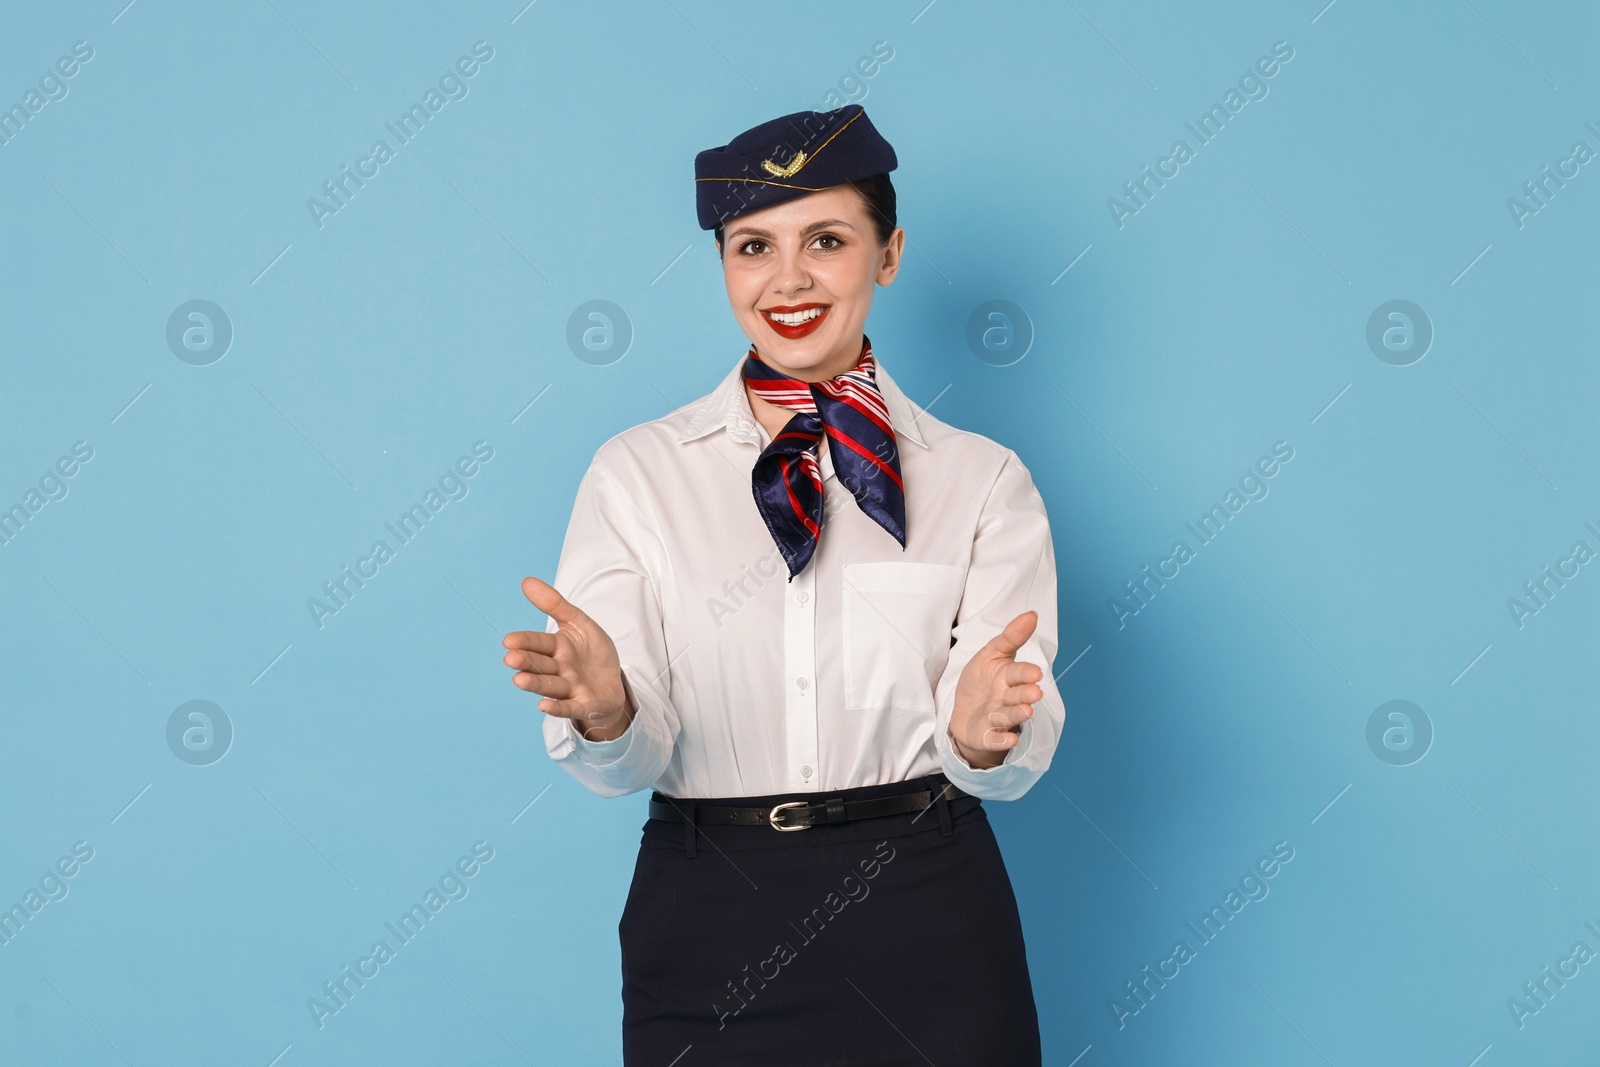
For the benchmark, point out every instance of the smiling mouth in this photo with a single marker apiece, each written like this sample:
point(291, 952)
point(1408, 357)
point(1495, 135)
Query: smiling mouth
point(795, 321)
point(794, 316)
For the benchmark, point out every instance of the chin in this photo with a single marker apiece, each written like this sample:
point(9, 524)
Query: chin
point(808, 351)
point(805, 351)
point(798, 361)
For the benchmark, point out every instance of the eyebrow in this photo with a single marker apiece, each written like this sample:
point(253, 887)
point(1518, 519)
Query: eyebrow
point(823, 225)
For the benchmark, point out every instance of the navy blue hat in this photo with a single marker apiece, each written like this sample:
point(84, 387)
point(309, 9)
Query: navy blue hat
point(787, 158)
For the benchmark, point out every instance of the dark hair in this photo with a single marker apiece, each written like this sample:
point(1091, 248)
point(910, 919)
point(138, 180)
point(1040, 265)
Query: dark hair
point(877, 193)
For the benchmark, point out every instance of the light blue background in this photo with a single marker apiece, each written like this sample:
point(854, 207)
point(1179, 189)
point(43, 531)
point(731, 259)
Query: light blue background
point(371, 353)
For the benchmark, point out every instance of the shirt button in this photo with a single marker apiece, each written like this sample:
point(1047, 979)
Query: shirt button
point(802, 683)
point(805, 772)
point(803, 597)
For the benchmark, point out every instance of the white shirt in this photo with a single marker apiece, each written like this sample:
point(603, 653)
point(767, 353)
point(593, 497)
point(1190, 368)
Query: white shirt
point(747, 683)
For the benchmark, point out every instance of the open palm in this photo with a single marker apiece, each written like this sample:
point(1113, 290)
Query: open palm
point(994, 695)
point(576, 668)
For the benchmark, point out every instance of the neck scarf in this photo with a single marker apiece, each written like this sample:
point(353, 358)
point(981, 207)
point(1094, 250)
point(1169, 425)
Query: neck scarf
point(787, 481)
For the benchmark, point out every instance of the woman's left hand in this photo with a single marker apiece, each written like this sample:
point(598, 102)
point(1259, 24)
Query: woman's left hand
point(995, 696)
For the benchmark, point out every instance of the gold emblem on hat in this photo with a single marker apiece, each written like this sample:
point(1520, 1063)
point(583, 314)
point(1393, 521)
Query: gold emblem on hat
point(794, 166)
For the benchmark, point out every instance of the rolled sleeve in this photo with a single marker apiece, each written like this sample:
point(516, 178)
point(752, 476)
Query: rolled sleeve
point(602, 573)
point(1012, 570)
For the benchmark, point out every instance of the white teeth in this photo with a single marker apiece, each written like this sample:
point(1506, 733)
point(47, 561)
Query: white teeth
point(796, 318)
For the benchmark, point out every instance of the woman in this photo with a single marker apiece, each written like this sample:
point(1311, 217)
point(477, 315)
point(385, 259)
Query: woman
point(820, 684)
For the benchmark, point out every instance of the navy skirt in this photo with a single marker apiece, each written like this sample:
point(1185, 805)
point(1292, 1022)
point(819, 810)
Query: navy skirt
point(891, 940)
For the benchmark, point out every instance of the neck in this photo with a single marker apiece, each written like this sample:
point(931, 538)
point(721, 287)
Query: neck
point(771, 417)
point(774, 418)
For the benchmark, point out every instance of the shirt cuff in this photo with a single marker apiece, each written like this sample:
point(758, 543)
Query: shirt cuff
point(1013, 754)
point(606, 753)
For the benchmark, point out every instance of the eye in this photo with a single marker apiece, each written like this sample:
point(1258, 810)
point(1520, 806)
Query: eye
point(744, 249)
point(837, 243)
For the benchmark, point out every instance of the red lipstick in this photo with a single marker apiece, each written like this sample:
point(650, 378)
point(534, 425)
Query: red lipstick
point(799, 330)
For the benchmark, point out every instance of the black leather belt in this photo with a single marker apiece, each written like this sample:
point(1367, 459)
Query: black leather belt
point(802, 814)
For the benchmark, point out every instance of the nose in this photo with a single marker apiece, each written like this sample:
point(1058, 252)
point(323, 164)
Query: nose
point(789, 274)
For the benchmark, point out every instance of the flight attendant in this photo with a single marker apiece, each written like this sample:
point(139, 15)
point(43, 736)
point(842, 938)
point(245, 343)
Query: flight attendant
point(818, 623)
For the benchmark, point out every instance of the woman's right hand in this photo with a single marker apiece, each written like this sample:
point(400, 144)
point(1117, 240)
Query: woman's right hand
point(576, 668)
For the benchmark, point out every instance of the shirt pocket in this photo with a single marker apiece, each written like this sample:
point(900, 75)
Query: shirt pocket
point(896, 628)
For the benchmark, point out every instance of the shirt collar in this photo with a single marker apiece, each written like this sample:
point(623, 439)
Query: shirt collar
point(728, 407)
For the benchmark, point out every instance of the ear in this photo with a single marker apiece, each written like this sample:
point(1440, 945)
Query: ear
point(889, 265)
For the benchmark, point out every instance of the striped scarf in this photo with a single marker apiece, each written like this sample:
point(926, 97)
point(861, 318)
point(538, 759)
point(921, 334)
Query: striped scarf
point(787, 481)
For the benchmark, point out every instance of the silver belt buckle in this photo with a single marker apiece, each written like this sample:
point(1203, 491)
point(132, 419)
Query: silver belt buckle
point(772, 816)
